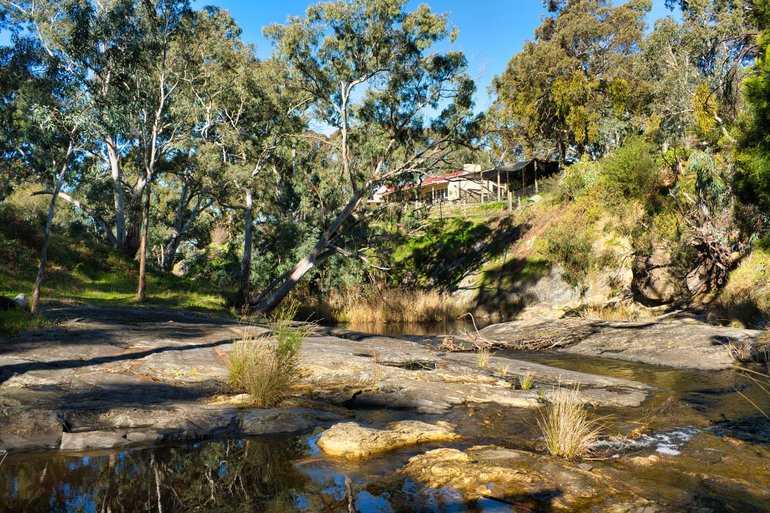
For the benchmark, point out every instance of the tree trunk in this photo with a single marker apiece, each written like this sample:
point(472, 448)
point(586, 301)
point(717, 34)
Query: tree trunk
point(308, 262)
point(120, 204)
point(181, 227)
point(35, 304)
point(243, 293)
point(169, 254)
point(141, 290)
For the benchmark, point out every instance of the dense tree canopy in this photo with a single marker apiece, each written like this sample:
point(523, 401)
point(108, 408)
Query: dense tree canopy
point(170, 140)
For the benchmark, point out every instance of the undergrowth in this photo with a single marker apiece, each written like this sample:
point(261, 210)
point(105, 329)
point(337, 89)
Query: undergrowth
point(388, 305)
point(13, 322)
point(266, 368)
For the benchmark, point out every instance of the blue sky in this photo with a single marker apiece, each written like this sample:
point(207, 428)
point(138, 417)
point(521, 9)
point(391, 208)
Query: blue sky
point(491, 31)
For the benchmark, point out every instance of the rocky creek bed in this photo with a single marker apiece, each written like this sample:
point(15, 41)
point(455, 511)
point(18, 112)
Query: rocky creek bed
point(377, 424)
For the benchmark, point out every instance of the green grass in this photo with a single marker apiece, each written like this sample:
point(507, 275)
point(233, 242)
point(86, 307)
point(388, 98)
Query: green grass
point(91, 273)
point(267, 368)
point(13, 322)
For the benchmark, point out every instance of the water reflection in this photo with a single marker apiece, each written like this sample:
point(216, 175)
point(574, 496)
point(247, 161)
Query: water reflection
point(276, 475)
point(225, 475)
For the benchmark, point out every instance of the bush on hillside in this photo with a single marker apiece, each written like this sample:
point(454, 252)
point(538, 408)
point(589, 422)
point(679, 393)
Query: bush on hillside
point(577, 179)
point(631, 172)
point(572, 249)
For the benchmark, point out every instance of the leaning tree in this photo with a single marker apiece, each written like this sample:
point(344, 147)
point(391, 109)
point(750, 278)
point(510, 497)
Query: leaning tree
point(393, 103)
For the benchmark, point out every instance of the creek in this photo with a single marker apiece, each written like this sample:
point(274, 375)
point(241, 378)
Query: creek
point(696, 444)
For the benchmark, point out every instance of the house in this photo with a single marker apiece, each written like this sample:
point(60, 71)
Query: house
point(472, 184)
point(521, 178)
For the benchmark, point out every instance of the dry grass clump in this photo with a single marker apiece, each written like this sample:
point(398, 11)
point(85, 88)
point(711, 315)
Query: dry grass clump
point(526, 381)
point(565, 425)
point(395, 305)
point(265, 368)
point(483, 357)
point(616, 313)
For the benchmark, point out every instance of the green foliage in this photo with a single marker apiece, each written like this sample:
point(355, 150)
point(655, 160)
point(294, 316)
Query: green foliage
point(448, 250)
point(753, 176)
point(267, 368)
point(587, 48)
point(13, 322)
point(87, 271)
point(629, 173)
point(570, 246)
point(578, 178)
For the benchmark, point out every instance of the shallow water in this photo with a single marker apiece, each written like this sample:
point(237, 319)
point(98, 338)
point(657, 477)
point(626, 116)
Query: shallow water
point(699, 447)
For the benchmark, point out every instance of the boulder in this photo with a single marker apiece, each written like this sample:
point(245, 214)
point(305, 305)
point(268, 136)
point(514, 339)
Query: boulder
point(653, 282)
point(21, 300)
point(350, 440)
point(89, 440)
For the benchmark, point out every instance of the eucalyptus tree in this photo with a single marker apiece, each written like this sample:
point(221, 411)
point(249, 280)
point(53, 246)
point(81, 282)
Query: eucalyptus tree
point(395, 103)
point(50, 125)
point(574, 85)
point(155, 88)
point(723, 35)
point(668, 64)
point(99, 45)
point(241, 110)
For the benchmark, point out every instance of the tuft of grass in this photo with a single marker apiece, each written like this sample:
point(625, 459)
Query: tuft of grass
point(761, 380)
point(483, 357)
point(13, 322)
point(526, 381)
point(266, 368)
point(568, 431)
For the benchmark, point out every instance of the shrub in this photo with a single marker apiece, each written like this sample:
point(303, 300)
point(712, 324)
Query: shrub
point(266, 368)
point(578, 178)
point(567, 430)
point(483, 357)
point(572, 249)
point(388, 305)
point(629, 173)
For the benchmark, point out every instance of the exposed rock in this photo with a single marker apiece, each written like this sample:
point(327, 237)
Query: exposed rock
point(21, 300)
point(92, 440)
point(350, 440)
point(509, 473)
point(150, 375)
point(533, 482)
point(678, 343)
point(654, 283)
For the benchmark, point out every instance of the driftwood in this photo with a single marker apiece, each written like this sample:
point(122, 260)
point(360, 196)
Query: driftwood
point(537, 337)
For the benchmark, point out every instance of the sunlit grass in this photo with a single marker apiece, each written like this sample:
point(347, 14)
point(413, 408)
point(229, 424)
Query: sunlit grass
point(266, 368)
point(527, 380)
point(116, 287)
point(568, 431)
point(13, 322)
